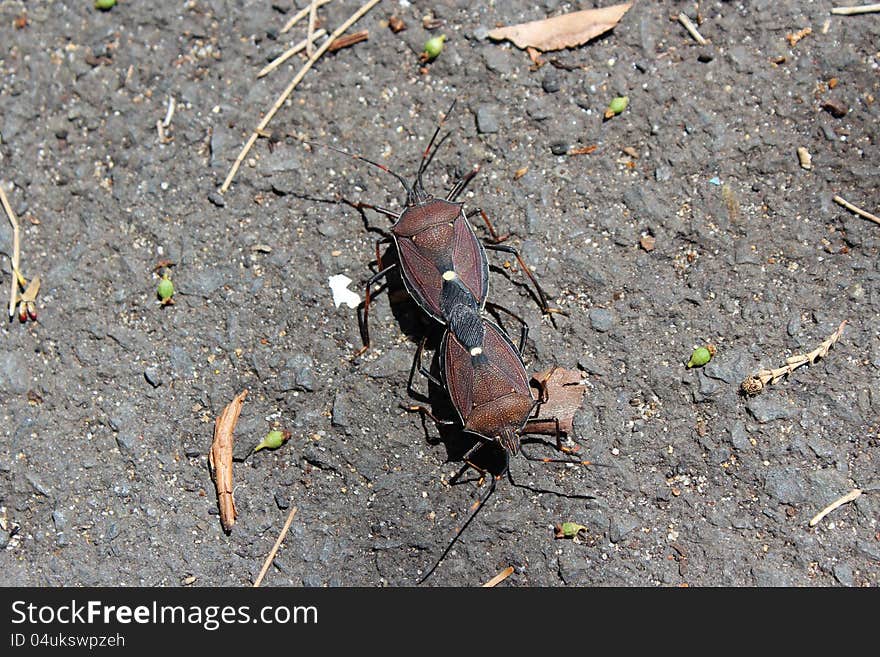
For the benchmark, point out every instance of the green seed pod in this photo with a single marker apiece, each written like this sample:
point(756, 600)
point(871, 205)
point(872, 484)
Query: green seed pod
point(273, 440)
point(616, 106)
point(165, 290)
point(105, 5)
point(700, 357)
point(434, 46)
point(569, 529)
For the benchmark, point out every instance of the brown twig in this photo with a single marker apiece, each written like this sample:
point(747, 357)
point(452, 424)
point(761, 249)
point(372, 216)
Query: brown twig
point(849, 206)
point(16, 251)
point(756, 382)
point(849, 497)
point(349, 40)
point(220, 458)
point(583, 150)
point(287, 54)
point(271, 556)
point(500, 577)
point(861, 9)
point(355, 17)
point(298, 16)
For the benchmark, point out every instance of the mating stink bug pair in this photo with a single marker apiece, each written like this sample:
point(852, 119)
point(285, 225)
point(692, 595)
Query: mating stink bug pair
point(444, 268)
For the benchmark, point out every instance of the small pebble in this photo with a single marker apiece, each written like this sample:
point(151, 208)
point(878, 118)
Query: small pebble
point(487, 123)
point(481, 33)
point(281, 500)
point(550, 84)
point(151, 374)
point(765, 409)
point(601, 320)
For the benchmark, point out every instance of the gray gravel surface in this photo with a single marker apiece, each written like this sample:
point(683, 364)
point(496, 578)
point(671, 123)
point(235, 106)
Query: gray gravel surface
point(108, 400)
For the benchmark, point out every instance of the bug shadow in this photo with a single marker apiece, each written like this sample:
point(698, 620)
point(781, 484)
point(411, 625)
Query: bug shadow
point(412, 320)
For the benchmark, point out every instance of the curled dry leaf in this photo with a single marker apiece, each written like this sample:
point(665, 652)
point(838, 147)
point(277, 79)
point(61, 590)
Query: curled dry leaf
point(220, 458)
point(755, 383)
point(565, 394)
point(564, 31)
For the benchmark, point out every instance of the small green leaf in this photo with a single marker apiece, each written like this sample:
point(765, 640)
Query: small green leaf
point(105, 5)
point(273, 440)
point(700, 357)
point(434, 46)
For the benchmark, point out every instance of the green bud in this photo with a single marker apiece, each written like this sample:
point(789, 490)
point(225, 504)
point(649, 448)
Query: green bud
point(616, 106)
point(105, 5)
point(434, 46)
point(273, 440)
point(700, 357)
point(165, 289)
point(569, 530)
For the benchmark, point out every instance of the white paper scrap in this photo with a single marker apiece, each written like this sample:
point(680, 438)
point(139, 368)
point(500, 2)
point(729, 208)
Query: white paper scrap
point(341, 294)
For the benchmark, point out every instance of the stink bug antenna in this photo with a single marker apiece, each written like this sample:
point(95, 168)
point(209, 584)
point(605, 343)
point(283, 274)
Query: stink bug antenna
point(475, 510)
point(410, 196)
point(418, 187)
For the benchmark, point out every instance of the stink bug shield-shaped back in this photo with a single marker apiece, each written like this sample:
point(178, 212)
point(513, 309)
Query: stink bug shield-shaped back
point(438, 249)
point(486, 380)
point(489, 386)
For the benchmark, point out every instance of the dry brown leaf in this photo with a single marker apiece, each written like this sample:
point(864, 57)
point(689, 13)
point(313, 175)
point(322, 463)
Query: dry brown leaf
point(565, 394)
point(565, 31)
point(220, 458)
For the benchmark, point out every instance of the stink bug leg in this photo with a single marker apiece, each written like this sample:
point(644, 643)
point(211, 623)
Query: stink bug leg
point(494, 244)
point(364, 308)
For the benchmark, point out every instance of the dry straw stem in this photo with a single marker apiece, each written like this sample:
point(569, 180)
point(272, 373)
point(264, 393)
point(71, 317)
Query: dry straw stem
point(500, 577)
point(220, 458)
point(271, 556)
point(861, 9)
point(278, 61)
point(313, 19)
point(692, 29)
point(862, 213)
point(16, 251)
point(355, 17)
point(756, 382)
point(849, 497)
point(302, 13)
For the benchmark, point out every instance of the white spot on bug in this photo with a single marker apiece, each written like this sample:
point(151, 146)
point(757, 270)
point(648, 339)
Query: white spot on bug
point(341, 294)
point(476, 351)
point(449, 275)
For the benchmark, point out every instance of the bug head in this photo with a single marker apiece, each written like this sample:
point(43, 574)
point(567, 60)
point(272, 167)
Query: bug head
point(509, 440)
